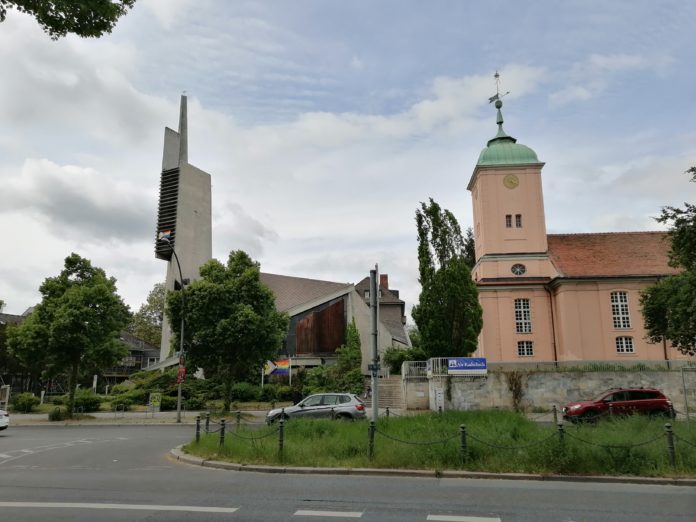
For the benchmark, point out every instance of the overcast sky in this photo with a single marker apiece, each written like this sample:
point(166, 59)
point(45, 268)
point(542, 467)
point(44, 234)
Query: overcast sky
point(323, 125)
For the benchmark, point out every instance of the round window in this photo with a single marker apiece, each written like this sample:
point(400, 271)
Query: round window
point(518, 269)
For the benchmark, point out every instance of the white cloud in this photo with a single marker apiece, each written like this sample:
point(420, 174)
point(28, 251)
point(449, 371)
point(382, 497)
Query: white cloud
point(322, 132)
point(592, 76)
point(169, 13)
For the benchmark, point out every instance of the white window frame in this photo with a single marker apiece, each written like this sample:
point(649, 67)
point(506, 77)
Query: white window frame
point(525, 349)
point(620, 313)
point(508, 220)
point(624, 344)
point(523, 315)
point(518, 220)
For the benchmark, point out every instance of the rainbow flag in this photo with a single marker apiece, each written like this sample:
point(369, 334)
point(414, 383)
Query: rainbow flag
point(282, 367)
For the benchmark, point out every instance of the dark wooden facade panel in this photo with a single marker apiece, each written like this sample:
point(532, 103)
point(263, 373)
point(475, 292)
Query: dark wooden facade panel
point(321, 332)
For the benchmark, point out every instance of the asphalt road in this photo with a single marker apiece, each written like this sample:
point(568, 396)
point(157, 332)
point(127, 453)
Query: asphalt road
point(117, 473)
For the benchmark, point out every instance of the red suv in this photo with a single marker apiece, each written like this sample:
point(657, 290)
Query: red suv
point(623, 401)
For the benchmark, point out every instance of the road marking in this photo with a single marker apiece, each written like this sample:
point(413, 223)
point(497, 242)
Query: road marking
point(452, 518)
point(140, 507)
point(317, 513)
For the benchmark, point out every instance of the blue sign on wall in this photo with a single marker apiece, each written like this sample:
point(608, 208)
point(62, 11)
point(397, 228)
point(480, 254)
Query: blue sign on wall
point(467, 366)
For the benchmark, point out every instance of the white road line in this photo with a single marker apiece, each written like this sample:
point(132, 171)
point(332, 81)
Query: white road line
point(452, 518)
point(140, 507)
point(317, 513)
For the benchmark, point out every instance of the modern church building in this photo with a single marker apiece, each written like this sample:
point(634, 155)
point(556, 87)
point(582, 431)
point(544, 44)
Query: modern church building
point(555, 297)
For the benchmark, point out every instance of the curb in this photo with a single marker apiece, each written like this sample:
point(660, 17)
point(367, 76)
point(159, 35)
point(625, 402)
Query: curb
point(185, 458)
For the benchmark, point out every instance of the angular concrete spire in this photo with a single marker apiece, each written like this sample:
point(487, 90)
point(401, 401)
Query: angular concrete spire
point(183, 131)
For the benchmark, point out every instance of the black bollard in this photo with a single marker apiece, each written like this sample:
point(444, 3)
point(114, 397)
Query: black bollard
point(222, 432)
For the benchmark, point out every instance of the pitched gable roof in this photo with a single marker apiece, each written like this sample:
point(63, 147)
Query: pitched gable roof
point(611, 254)
point(11, 318)
point(388, 297)
point(294, 291)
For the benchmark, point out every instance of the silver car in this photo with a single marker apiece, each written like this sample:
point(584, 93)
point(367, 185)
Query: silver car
point(346, 406)
point(4, 420)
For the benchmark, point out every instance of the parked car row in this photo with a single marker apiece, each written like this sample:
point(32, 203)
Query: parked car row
point(620, 401)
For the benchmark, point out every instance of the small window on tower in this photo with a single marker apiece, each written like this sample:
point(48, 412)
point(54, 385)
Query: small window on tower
point(518, 220)
point(508, 220)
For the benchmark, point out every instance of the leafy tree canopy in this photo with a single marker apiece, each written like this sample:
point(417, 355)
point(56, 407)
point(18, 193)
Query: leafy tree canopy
point(146, 323)
point(76, 325)
point(85, 18)
point(448, 314)
point(669, 307)
point(231, 324)
point(345, 375)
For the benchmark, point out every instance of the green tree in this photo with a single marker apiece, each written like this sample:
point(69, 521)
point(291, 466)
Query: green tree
point(146, 323)
point(231, 324)
point(448, 314)
point(85, 18)
point(349, 355)
point(470, 248)
point(344, 376)
point(28, 351)
point(669, 306)
point(78, 322)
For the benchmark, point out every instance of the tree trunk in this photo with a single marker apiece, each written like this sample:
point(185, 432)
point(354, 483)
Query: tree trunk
point(227, 399)
point(72, 386)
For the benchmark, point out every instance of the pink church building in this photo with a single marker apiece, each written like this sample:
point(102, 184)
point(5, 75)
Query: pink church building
point(555, 297)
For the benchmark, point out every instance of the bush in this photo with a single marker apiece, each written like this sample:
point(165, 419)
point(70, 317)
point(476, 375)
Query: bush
point(285, 393)
point(121, 403)
point(395, 357)
point(269, 393)
point(168, 403)
point(135, 396)
point(196, 402)
point(56, 415)
point(243, 391)
point(86, 401)
point(352, 381)
point(24, 402)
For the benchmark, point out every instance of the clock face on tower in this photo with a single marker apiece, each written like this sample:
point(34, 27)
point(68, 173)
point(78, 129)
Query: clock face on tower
point(511, 181)
point(518, 269)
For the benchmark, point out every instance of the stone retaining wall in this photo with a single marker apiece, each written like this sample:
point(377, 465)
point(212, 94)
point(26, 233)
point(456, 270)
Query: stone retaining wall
point(541, 390)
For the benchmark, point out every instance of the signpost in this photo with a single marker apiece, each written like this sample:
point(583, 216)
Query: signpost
point(467, 366)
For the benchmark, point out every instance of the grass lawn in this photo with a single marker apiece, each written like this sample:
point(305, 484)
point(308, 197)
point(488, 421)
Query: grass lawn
point(497, 441)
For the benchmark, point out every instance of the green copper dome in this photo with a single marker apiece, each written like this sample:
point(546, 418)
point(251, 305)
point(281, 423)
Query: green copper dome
point(504, 149)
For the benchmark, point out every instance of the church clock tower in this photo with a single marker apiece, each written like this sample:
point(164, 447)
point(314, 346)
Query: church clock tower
point(512, 262)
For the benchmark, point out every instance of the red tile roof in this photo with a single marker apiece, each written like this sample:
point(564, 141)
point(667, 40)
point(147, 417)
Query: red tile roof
point(611, 254)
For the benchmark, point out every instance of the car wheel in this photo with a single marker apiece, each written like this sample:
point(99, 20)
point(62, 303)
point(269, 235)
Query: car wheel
point(590, 416)
point(661, 413)
point(344, 417)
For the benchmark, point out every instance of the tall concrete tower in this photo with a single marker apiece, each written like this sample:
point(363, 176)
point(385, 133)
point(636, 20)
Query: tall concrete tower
point(184, 215)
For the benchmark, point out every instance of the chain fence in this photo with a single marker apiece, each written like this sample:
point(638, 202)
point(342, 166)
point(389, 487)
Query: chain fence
point(524, 446)
point(210, 426)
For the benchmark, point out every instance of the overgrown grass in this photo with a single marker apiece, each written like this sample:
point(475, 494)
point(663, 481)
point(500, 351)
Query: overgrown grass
point(497, 441)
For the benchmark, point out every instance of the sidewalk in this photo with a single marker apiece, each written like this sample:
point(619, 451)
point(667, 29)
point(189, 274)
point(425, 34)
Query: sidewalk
point(112, 418)
point(142, 417)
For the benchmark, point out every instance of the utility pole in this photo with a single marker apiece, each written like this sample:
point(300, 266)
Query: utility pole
point(374, 366)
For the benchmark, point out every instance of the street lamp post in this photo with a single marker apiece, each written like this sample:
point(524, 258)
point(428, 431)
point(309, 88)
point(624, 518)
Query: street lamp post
point(180, 379)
